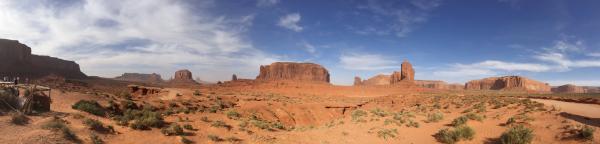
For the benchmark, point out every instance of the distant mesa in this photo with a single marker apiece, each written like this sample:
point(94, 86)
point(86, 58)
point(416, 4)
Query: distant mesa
point(508, 83)
point(436, 84)
point(183, 78)
point(307, 72)
point(138, 77)
point(568, 88)
point(405, 76)
point(16, 60)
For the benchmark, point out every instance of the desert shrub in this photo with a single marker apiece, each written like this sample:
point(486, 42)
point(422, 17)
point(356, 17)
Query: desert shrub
point(93, 124)
point(387, 133)
point(125, 95)
point(213, 109)
point(197, 93)
point(57, 124)
point(233, 139)
point(587, 132)
point(480, 107)
point(232, 114)
point(205, 119)
point(128, 104)
point(220, 124)
point(510, 121)
point(412, 123)
point(517, 135)
point(435, 117)
point(278, 125)
point(9, 96)
point(173, 129)
point(188, 127)
point(95, 139)
point(185, 140)
point(452, 136)
point(90, 106)
point(18, 118)
point(378, 112)
point(357, 115)
point(459, 121)
point(214, 138)
point(473, 116)
point(143, 119)
point(261, 124)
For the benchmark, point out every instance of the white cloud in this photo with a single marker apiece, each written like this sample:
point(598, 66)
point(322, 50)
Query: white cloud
point(506, 66)
point(290, 21)
point(309, 48)
point(404, 18)
point(597, 54)
point(367, 62)
point(109, 37)
point(266, 3)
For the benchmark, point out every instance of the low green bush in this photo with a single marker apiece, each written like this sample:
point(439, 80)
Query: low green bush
point(173, 129)
point(94, 124)
point(90, 106)
point(517, 135)
point(452, 136)
point(587, 132)
point(459, 121)
point(435, 117)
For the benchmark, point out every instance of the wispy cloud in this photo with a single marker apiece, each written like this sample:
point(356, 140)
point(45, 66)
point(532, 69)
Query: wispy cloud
point(266, 3)
point(109, 37)
point(367, 62)
point(309, 47)
point(290, 21)
point(404, 16)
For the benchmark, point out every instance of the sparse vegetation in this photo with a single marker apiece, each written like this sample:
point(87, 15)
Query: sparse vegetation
point(587, 132)
point(517, 135)
point(387, 133)
point(143, 119)
point(473, 116)
point(185, 140)
point(90, 106)
point(58, 125)
point(173, 129)
point(95, 139)
point(232, 114)
point(379, 112)
point(220, 124)
point(93, 124)
point(214, 138)
point(18, 118)
point(188, 127)
point(459, 121)
point(197, 93)
point(435, 117)
point(452, 136)
point(357, 115)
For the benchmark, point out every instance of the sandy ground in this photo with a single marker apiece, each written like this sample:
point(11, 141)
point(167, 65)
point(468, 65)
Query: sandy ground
point(587, 110)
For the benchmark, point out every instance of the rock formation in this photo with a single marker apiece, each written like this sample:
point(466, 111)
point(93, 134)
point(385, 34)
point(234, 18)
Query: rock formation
point(16, 60)
point(234, 77)
point(183, 78)
point(568, 88)
point(138, 77)
point(436, 84)
point(380, 79)
point(293, 71)
point(142, 90)
point(406, 74)
point(357, 81)
point(507, 83)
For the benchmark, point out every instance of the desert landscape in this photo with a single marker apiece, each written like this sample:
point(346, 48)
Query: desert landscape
point(299, 72)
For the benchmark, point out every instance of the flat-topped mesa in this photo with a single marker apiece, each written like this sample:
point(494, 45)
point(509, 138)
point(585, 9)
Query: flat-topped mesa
point(16, 60)
point(138, 77)
point(508, 83)
point(379, 79)
point(436, 84)
point(308, 72)
point(568, 88)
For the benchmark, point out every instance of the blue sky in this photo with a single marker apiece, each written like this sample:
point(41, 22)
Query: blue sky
point(555, 41)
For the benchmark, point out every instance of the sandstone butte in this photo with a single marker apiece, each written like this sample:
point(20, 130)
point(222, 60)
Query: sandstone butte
point(306, 72)
point(138, 77)
point(405, 76)
point(183, 78)
point(568, 88)
point(508, 83)
point(16, 60)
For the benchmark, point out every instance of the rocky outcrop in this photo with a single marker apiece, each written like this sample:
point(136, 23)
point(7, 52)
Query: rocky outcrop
point(183, 78)
point(16, 60)
point(508, 83)
point(436, 84)
point(357, 81)
point(234, 77)
point(380, 79)
point(142, 90)
point(138, 77)
point(406, 74)
point(293, 71)
point(568, 88)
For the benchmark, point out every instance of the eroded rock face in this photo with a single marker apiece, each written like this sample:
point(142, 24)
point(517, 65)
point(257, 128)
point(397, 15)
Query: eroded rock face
point(568, 88)
point(16, 60)
point(508, 83)
point(357, 81)
point(142, 90)
point(183, 78)
point(138, 77)
point(406, 74)
point(380, 79)
point(293, 71)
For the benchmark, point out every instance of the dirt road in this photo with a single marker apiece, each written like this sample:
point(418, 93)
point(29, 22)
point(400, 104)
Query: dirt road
point(587, 110)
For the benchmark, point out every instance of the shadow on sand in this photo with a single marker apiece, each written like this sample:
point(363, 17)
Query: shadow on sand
point(582, 119)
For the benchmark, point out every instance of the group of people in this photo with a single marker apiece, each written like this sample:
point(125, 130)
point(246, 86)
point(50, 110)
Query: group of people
point(16, 80)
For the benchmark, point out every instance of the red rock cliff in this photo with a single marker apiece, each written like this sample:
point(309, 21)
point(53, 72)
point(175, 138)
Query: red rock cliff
point(293, 71)
point(406, 74)
point(138, 77)
point(568, 88)
point(16, 60)
point(508, 83)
